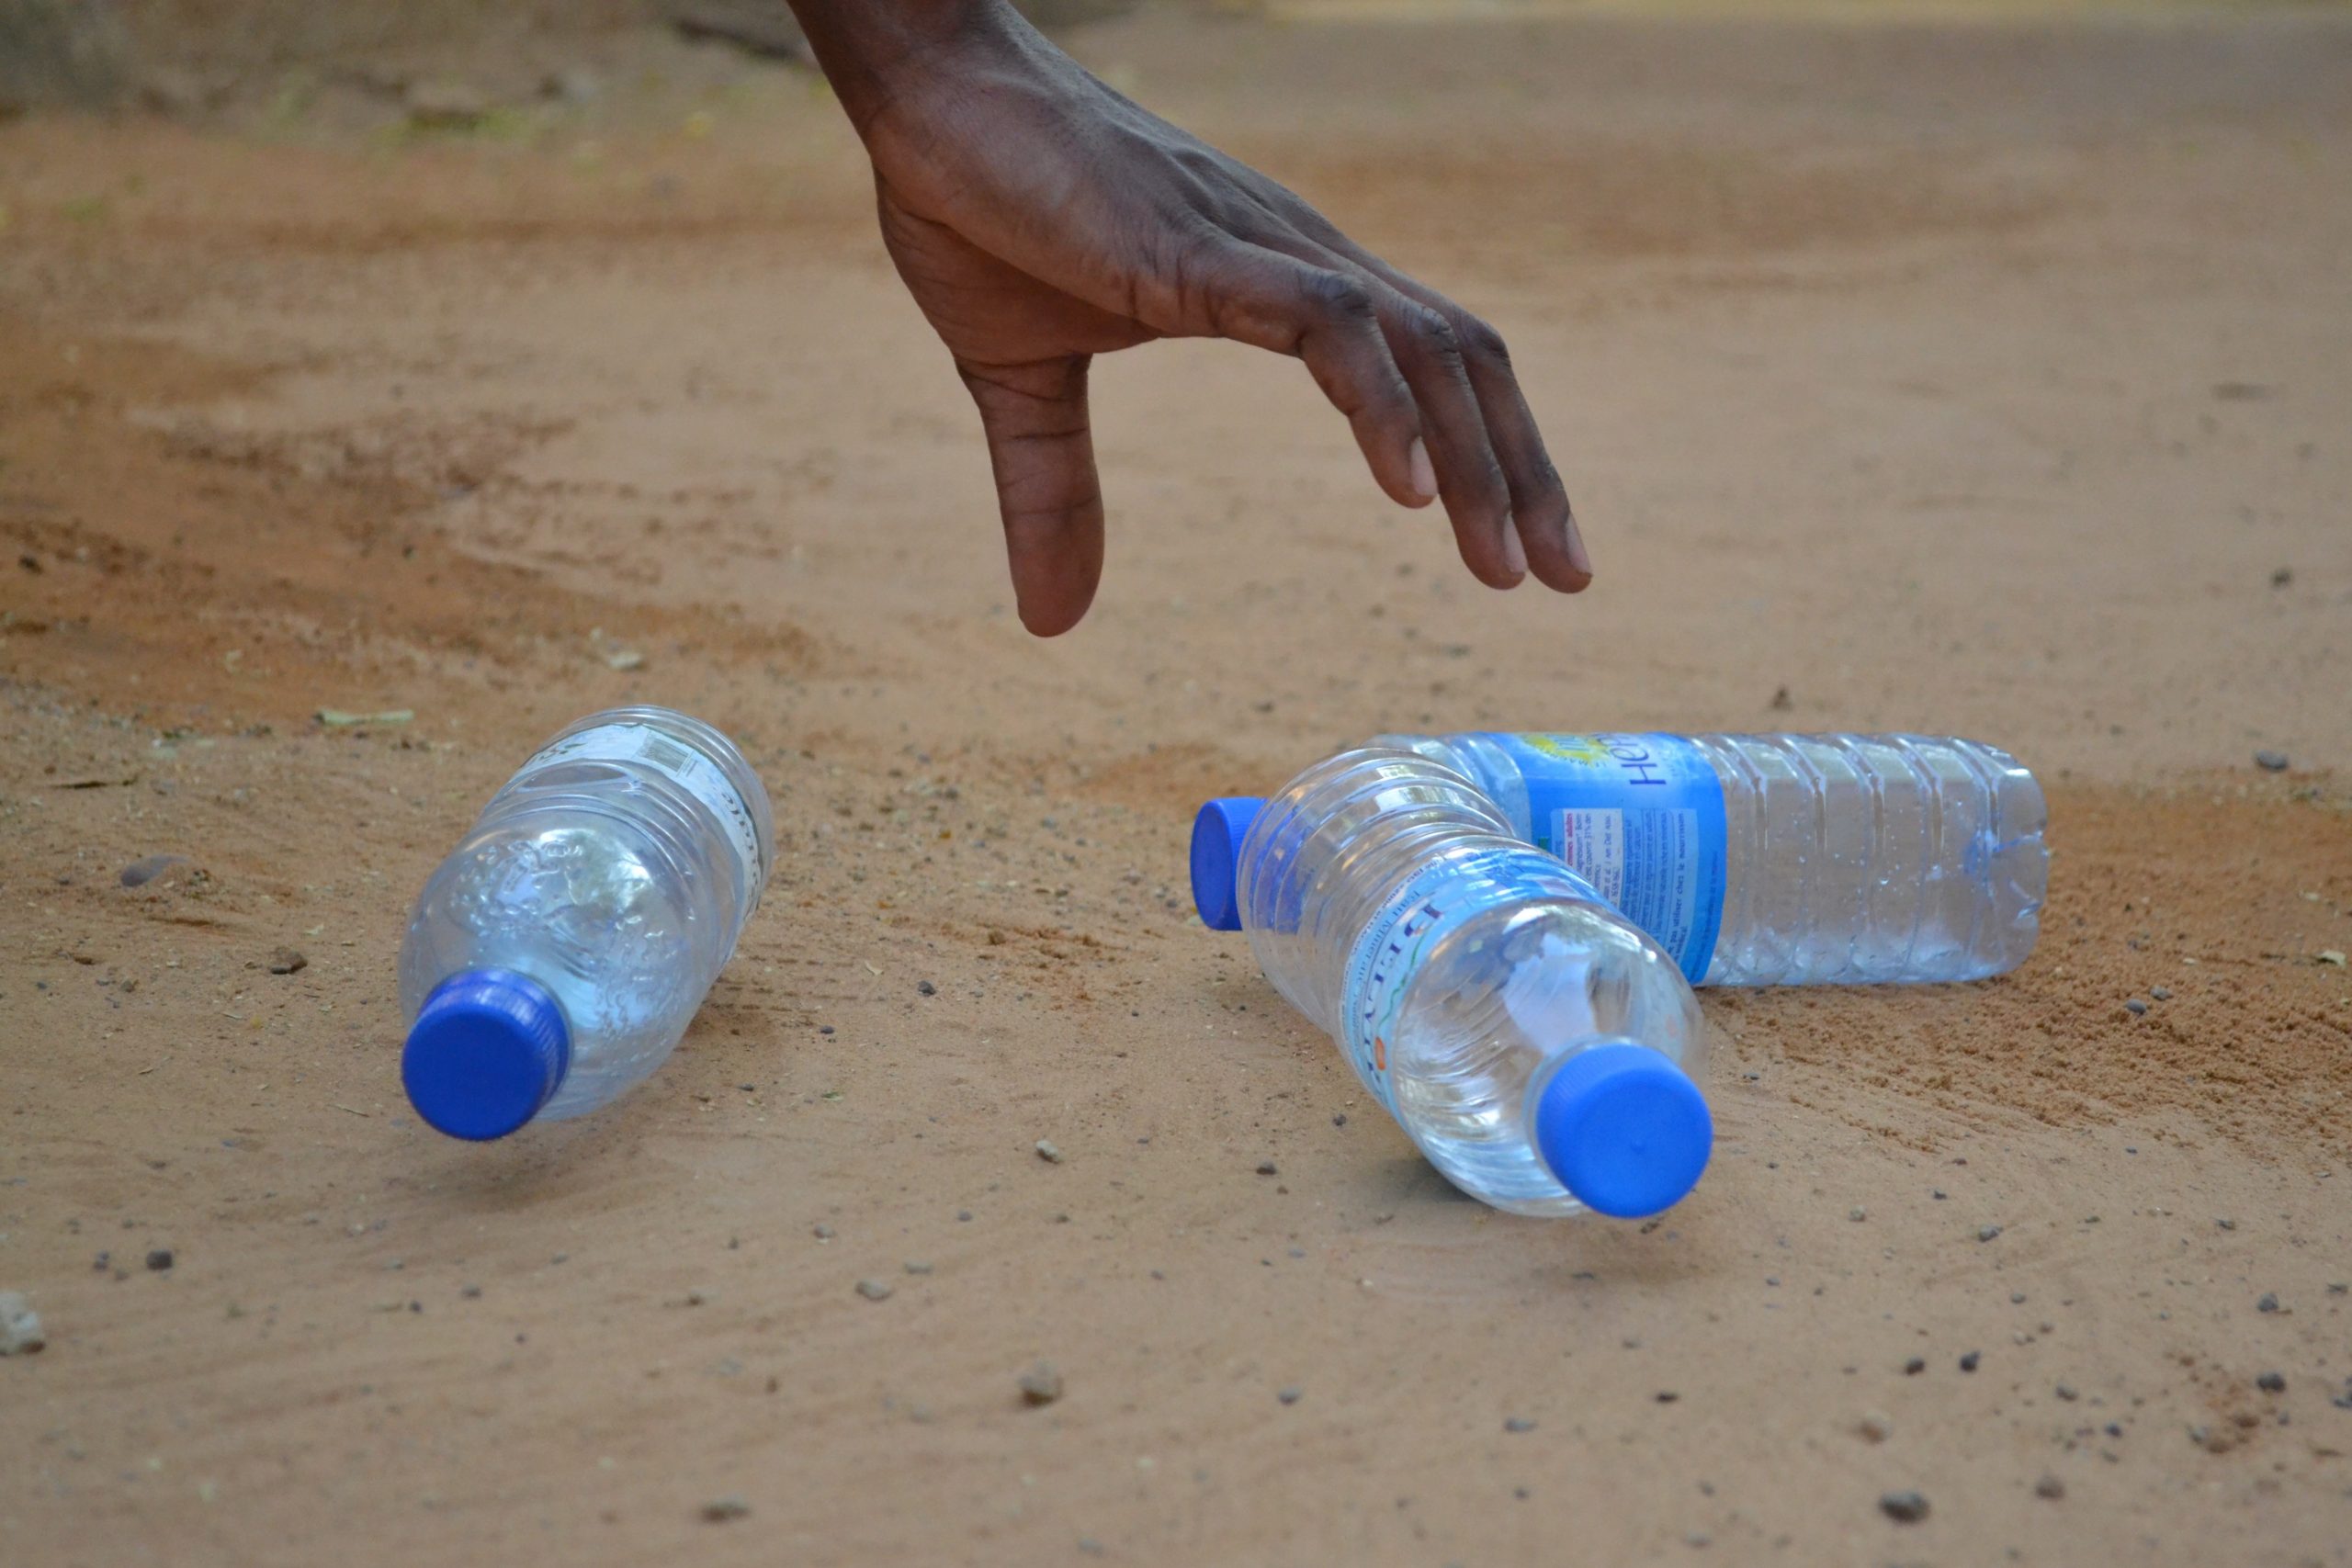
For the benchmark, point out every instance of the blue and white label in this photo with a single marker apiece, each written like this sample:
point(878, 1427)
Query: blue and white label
point(1641, 817)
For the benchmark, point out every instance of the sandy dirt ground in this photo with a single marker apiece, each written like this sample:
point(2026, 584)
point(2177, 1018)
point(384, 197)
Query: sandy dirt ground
point(1990, 380)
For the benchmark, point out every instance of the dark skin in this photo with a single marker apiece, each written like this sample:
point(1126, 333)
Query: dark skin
point(1040, 219)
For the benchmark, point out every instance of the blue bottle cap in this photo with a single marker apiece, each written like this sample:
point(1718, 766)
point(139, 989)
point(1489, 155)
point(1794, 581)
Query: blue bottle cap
point(487, 1049)
point(1624, 1130)
point(1217, 833)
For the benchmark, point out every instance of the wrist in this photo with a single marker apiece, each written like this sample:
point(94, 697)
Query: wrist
point(867, 47)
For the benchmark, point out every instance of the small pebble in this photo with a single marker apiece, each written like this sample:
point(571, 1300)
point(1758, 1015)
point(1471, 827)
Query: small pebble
point(1902, 1507)
point(1518, 1424)
point(161, 1259)
point(2066, 1391)
point(926, 987)
point(1266, 1168)
point(2269, 1301)
point(1048, 1152)
point(2135, 1006)
point(1857, 1215)
point(2270, 762)
point(1877, 1426)
point(2050, 1487)
point(1291, 1396)
point(285, 961)
point(873, 1289)
point(1968, 1363)
point(2227, 1224)
point(719, 1510)
point(914, 1266)
point(822, 1232)
point(1667, 1396)
point(2271, 1382)
point(1699, 1539)
point(2160, 993)
point(1338, 1119)
point(1041, 1384)
point(964, 1216)
point(2016, 1297)
point(1914, 1366)
point(1986, 1233)
point(20, 1330)
point(140, 872)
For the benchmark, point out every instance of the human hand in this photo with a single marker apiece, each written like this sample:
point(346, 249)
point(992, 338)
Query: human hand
point(1040, 219)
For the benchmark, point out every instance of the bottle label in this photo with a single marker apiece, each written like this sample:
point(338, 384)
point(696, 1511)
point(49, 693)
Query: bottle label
point(1422, 913)
point(1641, 817)
point(683, 765)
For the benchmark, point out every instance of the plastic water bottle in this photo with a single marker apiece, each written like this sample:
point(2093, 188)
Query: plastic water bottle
point(1761, 859)
point(557, 956)
point(1540, 1050)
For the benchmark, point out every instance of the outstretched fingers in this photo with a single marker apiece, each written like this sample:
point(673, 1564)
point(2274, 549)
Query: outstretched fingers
point(1469, 475)
point(1540, 514)
point(1326, 318)
point(1395, 368)
point(1539, 501)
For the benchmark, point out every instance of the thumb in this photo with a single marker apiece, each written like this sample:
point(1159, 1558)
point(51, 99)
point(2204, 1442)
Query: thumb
point(1041, 448)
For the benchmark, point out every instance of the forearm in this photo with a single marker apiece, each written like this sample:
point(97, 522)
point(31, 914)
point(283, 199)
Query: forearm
point(861, 45)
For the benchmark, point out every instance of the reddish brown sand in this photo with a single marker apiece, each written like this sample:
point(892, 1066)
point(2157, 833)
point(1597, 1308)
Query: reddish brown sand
point(1986, 381)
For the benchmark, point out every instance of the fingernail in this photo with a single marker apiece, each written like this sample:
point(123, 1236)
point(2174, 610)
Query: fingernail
point(1417, 458)
point(1577, 556)
point(1514, 552)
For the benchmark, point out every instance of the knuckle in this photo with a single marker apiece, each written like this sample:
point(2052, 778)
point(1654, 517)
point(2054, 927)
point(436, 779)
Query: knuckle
point(1339, 298)
point(1437, 337)
point(1483, 344)
point(1199, 161)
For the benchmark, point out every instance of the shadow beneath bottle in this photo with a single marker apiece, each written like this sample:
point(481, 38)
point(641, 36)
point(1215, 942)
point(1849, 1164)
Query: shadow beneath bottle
point(601, 1159)
point(1421, 1238)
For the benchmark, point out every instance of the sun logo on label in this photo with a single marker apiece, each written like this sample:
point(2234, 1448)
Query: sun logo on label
point(1583, 748)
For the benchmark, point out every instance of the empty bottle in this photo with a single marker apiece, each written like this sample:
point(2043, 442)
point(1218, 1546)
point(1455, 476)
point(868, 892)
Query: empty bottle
point(1536, 1046)
point(1765, 859)
point(557, 956)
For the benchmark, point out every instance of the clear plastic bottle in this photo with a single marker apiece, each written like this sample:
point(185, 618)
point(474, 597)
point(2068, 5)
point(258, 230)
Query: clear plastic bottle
point(1763, 860)
point(1540, 1050)
point(557, 956)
